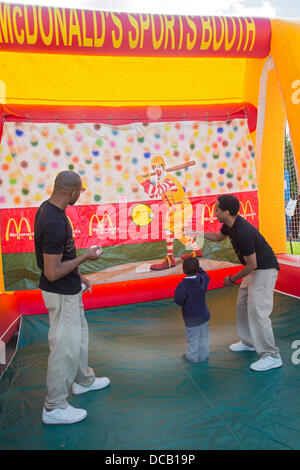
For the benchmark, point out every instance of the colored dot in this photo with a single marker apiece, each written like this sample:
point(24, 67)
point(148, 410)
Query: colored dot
point(225, 143)
point(25, 191)
point(228, 154)
point(120, 189)
point(75, 159)
point(97, 127)
point(71, 167)
point(2, 199)
point(19, 133)
point(146, 155)
point(209, 174)
point(119, 167)
point(207, 148)
point(99, 142)
point(38, 197)
point(97, 197)
point(5, 167)
point(220, 130)
point(17, 200)
point(215, 145)
point(12, 181)
point(88, 161)
point(216, 155)
point(56, 152)
point(229, 185)
point(178, 173)
point(54, 164)
point(134, 160)
point(213, 185)
point(95, 153)
point(221, 171)
point(204, 165)
point(229, 175)
point(24, 164)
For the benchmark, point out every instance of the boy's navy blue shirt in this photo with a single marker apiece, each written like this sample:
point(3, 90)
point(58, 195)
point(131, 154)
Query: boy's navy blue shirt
point(190, 295)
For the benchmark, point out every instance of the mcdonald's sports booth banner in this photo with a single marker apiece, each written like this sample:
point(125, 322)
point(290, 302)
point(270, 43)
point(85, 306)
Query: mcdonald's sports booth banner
point(125, 207)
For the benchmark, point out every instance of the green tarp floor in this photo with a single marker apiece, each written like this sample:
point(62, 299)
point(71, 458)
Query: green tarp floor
point(156, 400)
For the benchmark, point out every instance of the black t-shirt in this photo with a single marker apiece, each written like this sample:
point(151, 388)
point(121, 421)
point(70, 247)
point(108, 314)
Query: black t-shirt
point(53, 236)
point(246, 240)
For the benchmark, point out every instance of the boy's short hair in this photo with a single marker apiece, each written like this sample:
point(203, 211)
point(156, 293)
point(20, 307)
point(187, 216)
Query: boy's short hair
point(190, 266)
point(230, 203)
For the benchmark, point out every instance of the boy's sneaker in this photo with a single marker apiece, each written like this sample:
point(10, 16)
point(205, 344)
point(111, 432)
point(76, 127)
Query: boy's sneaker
point(168, 262)
point(266, 363)
point(67, 415)
point(193, 254)
point(97, 385)
point(240, 346)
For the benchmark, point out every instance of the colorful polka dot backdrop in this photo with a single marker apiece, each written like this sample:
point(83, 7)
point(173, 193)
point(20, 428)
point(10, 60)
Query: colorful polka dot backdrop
point(108, 158)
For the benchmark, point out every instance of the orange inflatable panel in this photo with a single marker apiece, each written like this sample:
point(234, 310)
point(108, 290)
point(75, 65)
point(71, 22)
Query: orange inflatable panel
point(9, 316)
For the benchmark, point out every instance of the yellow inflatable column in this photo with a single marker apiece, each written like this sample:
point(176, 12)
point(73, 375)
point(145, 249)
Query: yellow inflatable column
point(270, 141)
point(285, 50)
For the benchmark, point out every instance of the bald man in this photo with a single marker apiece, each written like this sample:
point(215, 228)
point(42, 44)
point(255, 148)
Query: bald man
point(61, 286)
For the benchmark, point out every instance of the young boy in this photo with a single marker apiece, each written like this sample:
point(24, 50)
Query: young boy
point(190, 295)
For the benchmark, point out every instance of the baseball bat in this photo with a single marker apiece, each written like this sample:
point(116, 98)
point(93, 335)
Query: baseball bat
point(176, 167)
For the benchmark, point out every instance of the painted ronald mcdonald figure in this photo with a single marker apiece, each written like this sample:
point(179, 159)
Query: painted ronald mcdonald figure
point(179, 211)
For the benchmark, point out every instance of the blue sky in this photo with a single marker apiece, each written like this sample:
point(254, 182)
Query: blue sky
point(267, 8)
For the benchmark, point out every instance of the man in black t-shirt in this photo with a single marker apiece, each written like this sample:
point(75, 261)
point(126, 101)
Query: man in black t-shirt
point(62, 285)
point(259, 275)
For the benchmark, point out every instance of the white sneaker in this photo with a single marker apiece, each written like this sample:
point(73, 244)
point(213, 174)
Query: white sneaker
point(67, 415)
point(97, 385)
point(240, 346)
point(266, 363)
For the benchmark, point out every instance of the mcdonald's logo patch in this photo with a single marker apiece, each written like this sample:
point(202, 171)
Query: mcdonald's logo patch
point(18, 226)
point(101, 224)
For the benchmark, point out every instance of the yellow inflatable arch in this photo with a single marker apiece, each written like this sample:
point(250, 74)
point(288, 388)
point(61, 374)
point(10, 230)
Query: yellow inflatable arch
point(71, 74)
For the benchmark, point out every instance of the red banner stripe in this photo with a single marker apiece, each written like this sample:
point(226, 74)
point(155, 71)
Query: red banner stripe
point(115, 224)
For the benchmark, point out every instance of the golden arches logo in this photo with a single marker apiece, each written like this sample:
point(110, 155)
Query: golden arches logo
point(245, 206)
point(210, 212)
point(73, 233)
point(18, 228)
point(101, 223)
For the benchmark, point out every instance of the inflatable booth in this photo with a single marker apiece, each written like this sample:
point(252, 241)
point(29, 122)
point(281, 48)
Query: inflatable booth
point(114, 96)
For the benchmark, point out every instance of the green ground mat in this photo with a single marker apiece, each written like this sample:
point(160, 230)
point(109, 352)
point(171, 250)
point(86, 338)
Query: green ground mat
point(156, 400)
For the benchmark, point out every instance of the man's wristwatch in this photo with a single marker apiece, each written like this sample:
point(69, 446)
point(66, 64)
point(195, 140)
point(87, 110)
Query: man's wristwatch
point(230, 279)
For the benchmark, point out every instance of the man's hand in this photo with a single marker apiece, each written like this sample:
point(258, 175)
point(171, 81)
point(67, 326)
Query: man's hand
point(94, 253)
point(227, 282)
point(86, 282)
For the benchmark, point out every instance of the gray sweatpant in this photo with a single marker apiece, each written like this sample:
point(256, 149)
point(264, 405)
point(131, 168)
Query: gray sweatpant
point(197, 342)
point(254, 307)
point(68, 343)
